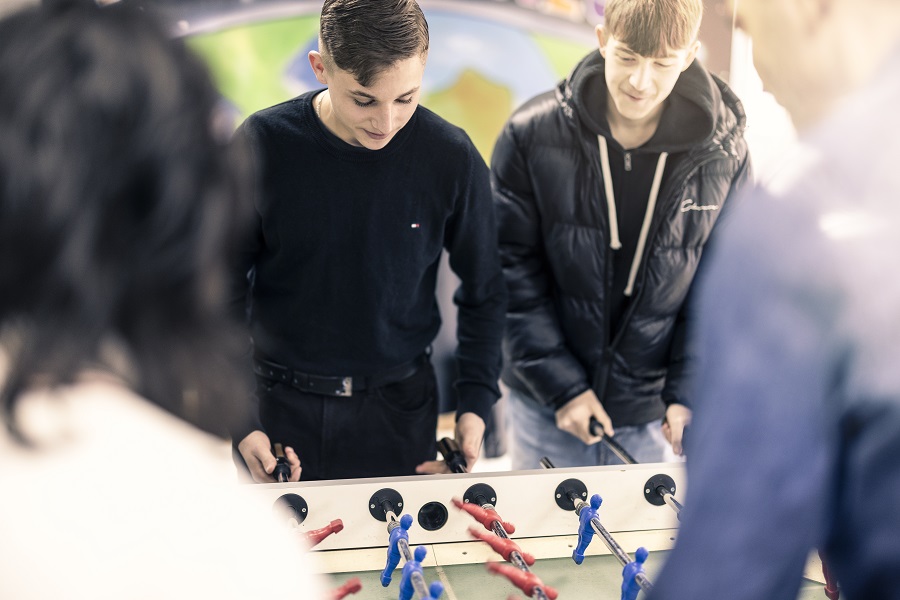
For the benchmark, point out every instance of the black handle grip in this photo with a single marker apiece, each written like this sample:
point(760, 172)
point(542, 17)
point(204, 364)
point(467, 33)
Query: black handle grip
point(613, 445)
point(452, 455)
point(282, 471)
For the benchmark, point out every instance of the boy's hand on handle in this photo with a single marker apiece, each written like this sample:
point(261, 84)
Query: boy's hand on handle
point(468, 435)
point(678, 416)
point(256, 450)
point(575, 417)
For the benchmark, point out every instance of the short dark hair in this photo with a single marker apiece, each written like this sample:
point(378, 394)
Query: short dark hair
point(118, 199)
point(366, 37)
point(648, 27)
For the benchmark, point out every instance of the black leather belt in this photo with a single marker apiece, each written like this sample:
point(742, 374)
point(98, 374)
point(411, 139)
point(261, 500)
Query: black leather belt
point(338, 385)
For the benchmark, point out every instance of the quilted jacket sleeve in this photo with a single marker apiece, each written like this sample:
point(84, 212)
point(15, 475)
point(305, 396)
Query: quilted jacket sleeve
point(680, 370)
point(534, 346)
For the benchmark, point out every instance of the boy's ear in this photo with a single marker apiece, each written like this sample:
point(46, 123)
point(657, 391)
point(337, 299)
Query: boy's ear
point(601, 39)
point(318, 66)
point(691, 55)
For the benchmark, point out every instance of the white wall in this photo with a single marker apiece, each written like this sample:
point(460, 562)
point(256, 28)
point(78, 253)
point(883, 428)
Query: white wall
point(770, 133)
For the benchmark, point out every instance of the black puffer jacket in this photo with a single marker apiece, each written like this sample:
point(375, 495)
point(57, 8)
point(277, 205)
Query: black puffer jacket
point(555, 238)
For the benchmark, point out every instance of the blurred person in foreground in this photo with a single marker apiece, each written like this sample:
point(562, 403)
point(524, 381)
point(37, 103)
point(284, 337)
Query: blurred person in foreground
point(118, 197)
point(796, 436)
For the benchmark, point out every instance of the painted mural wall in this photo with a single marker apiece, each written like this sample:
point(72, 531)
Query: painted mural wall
point(486, 58)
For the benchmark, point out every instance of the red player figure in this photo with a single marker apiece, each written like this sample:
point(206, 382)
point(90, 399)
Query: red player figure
point(485, 517)
point(502, 546)
point(317, 535)
point(351, 587)
point(522, 580)
point(832, 591)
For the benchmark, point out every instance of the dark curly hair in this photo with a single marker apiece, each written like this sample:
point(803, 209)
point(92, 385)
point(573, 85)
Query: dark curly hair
point(120, 200)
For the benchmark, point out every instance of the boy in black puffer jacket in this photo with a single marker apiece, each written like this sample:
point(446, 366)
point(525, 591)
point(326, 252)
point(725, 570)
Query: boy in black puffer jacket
point(607, 190)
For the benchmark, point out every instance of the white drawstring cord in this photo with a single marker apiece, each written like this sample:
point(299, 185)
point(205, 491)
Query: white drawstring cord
point(645, 228)
point(614, 242)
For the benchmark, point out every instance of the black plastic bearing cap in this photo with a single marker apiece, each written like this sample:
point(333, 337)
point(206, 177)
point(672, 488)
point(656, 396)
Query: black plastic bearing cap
point(383, 500)
point(290, 506)
point(432, 516)
point(650, 488)
point(565, 489)
point(481, 494)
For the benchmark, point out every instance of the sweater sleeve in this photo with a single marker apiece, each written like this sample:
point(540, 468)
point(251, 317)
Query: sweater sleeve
point(534, 344)
point(240, 277)
point(249, 244)
point(471, 242)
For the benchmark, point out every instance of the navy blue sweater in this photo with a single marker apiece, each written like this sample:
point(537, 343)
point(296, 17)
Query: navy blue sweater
point(344, 258)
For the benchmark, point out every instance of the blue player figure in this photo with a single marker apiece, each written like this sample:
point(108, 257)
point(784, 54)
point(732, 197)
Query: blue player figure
point(630, 587)
point(393, 551)
point(435, 590)
point(411, 566)
point(585, 531)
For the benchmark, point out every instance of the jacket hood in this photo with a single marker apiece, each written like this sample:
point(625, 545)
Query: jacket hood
point(701, 109)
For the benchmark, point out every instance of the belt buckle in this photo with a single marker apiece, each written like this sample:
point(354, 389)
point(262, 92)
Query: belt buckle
point(346, 388)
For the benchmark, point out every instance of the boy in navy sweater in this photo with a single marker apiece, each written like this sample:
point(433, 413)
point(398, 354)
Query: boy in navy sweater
point(362, 189)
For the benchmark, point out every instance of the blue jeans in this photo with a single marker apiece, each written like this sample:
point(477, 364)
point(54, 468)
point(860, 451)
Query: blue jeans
point(533, 434)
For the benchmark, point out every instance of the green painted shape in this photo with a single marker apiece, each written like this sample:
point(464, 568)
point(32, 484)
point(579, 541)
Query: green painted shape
point(248, 62)
point(476, 104)
point(562, 54)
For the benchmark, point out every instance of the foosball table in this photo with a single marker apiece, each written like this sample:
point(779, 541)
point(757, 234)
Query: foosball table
point(495, 535)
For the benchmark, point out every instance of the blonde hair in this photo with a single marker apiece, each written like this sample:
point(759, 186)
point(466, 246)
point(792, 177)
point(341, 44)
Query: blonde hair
point(650, 27)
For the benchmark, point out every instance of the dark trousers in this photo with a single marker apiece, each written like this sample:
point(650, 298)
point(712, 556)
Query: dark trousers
point(379, 432)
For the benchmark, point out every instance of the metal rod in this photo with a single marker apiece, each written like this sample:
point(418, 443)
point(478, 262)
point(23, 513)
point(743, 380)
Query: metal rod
point(416, 577)
point(418, 581)
point(620, 554)
point(514, 557)
point(611, 543)
point(644, 582)
point(670, 500)
point(613, 445)
point(618, 450)
point(403, 545)
point(616, 550)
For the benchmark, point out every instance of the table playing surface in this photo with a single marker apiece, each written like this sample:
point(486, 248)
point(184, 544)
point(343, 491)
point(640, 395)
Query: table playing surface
point(599, 577)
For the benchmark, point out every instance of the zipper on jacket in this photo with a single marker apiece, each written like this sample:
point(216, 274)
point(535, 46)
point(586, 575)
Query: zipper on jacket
point(680, 181)
point(615, 242)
